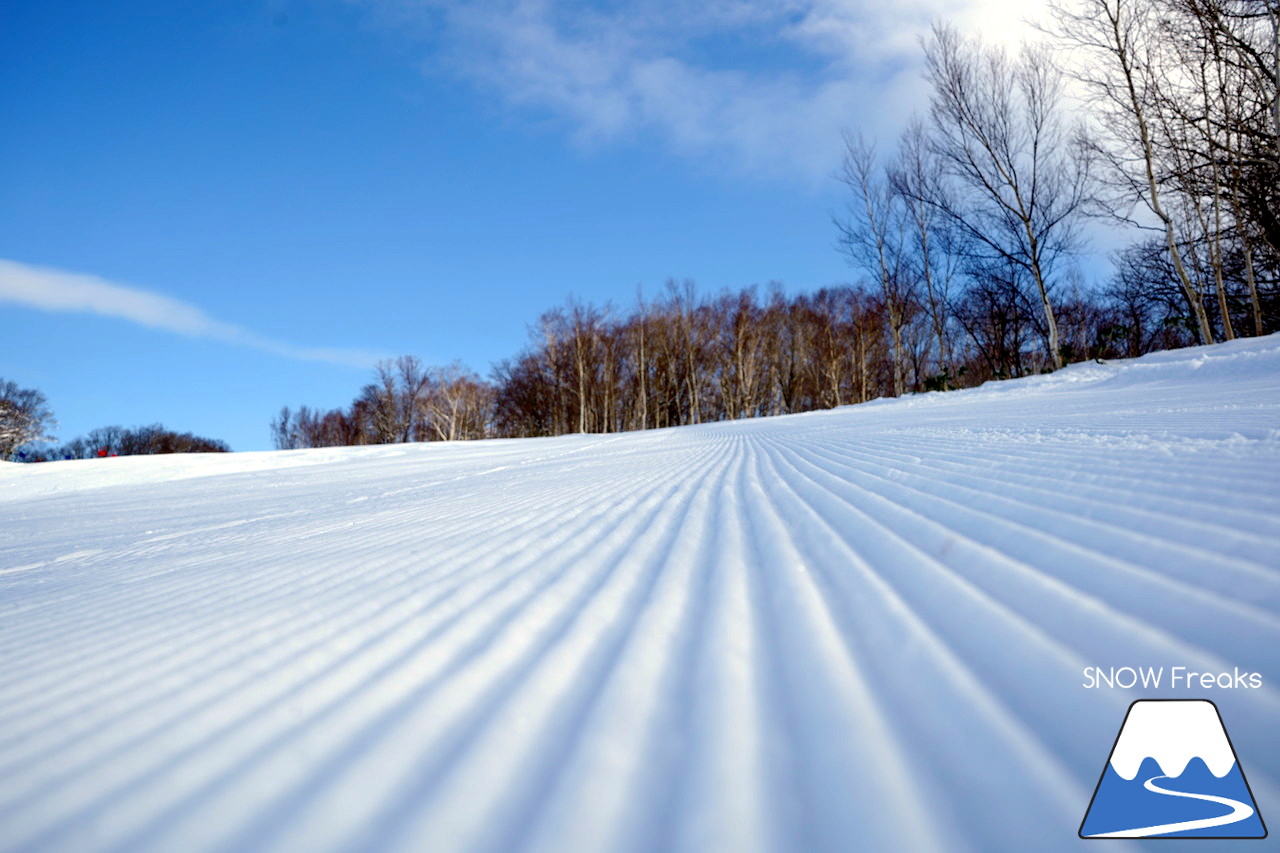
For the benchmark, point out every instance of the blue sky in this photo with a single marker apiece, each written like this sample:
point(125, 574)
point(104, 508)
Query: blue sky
point(213, 210)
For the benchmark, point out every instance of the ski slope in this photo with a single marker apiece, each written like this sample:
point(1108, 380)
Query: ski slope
point(856, 629)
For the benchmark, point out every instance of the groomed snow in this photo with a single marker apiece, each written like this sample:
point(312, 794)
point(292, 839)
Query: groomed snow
point(856, 629)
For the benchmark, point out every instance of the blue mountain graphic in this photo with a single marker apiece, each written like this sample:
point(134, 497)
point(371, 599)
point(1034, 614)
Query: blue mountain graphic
point(1121, 804)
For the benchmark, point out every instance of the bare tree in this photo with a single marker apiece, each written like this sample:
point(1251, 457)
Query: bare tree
point(873, 238)
point(1217, 112)
point(413, 382)
point(1022, 176)
point(25, 417)
point(456, 407)
point(389, 405)
point(1120, 60)
point(585, 323)
point(285, 432)
point(919, 180)
point(738, 353)
point(640, 359)
point(688, 339)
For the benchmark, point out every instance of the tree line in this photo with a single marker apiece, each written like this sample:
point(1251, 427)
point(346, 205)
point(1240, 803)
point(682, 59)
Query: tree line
point(129, 441)
point(1186, 110)
point(979, 215)
point(27, 421)
point(407, 401)
point(684, 359)
point(967, 234)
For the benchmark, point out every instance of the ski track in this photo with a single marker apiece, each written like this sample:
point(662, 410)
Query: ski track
point(1239, 811)
point(863, 628)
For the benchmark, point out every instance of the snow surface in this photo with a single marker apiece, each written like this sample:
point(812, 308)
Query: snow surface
point(856, 629)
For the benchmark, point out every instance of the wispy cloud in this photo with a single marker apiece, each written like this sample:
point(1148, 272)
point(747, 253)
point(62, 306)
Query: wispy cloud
point(761, 85)
point(54, 290)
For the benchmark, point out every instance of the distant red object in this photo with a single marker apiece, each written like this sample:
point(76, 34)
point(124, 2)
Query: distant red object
point(102, 451)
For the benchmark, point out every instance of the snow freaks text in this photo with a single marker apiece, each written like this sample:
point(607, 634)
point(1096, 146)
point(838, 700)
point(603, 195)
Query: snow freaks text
point(1175, 678)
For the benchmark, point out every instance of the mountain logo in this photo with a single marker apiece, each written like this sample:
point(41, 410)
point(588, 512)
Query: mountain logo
point(1172, 773)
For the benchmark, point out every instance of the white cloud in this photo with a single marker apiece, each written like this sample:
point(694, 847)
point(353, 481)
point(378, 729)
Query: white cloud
point(47, 289)
point(763, 86)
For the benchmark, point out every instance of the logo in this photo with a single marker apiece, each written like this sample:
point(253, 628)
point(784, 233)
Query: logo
point(1172, 773)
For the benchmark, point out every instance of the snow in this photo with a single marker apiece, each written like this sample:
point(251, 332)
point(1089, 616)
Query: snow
point(857, 629)
point(1172, 733)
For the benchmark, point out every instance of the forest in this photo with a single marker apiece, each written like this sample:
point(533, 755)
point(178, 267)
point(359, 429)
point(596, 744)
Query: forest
point(965, 236)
